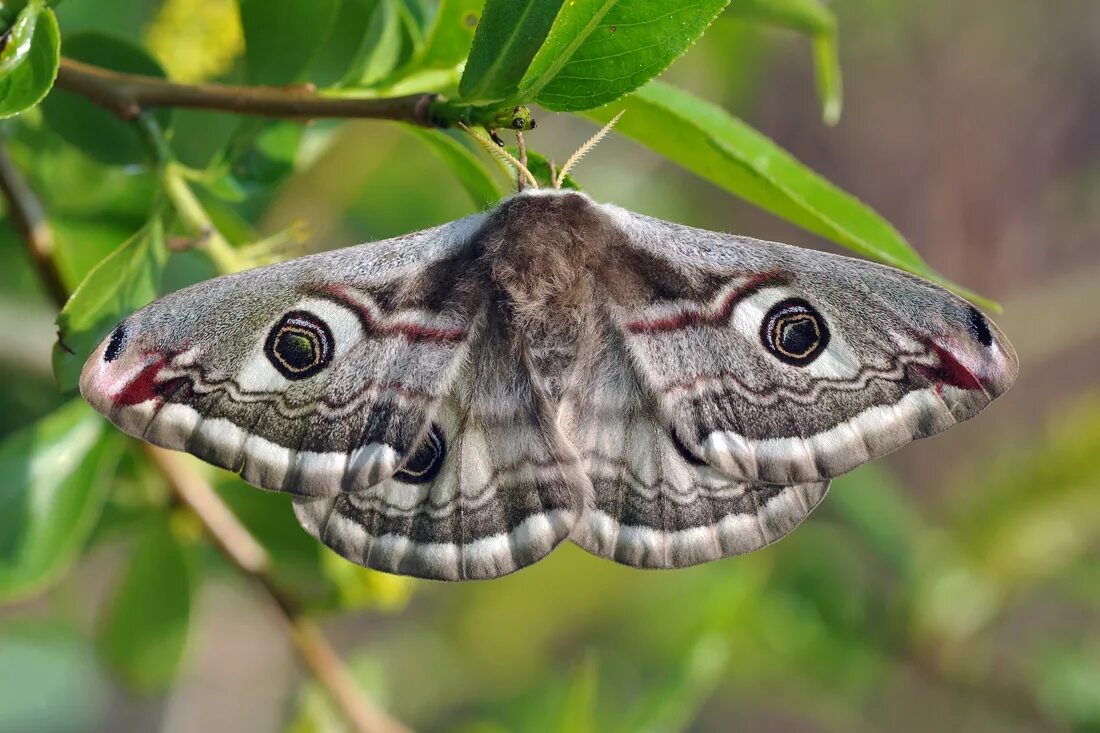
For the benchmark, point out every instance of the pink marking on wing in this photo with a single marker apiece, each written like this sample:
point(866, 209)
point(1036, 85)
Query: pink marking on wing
point(690, 318)
point(951, 371)
point(143, 387)
point(411, 331)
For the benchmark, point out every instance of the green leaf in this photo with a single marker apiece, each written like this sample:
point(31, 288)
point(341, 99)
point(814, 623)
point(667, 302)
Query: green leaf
point(143, 635)
point(29, 59)
point(54, 478)
point(818, 22)
point(339, 52)
point(261, 154)
point(483, 188)
point(683, 688)
point(281, 38)
point(124, 281)
point(507, 38)
point(1067, 679)
point(50, 678)
point(874, 506)
point(381, 48)
point(598, 50)
point(710, 142)
point(450, 35)
point(304, 569)
point(87, 126)
point(577, 713)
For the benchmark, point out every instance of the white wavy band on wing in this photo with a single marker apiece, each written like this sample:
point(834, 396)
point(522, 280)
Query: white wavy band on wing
point(259, 461)
point(872, 433)
point(483, 558)
point(734, 534)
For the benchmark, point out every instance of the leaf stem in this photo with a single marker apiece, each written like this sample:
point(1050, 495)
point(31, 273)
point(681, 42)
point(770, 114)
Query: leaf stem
point(225, 258)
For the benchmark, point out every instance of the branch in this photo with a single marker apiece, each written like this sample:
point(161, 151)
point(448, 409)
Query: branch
point(231, 537)
point(128, 95)
point(30, 221)
point(237, 544)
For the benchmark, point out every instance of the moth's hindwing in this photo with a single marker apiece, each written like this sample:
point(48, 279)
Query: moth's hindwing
point(655, 504)
point(506, 490)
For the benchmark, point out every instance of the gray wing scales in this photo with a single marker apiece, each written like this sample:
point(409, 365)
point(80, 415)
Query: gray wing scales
point(654, 505)
point(500, 491)
point(314, 376)
point(785, 366)
point(376, 384)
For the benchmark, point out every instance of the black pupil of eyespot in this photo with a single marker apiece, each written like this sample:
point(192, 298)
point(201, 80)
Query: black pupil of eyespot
point(299, 345)
point(298, 349)
point(794, 332)
point(798, 335)
point(114, 346)
point(424, 464)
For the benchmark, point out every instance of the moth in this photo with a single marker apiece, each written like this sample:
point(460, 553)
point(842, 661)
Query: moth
point(457, 402)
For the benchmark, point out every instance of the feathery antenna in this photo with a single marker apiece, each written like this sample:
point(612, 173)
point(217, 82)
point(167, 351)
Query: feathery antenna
point(521, 169)
point(583, 150)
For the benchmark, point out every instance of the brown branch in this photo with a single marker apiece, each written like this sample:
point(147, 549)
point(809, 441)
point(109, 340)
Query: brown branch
point(30, 221)
point(237, 544)
point(231, 537)
point(128, 95)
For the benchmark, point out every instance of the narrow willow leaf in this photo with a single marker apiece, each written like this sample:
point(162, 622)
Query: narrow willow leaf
point(578, 712)
point(261, 153)
point(281, 38)
point(871, 503)
point(54, 478)
point(675, 702)
point(381, 48)
point(124, 281)
point(143, 634)
point(87, 126)
point(830, 89)
point(451, 33)
point(303, 569)
point(482, 187)
point(710, 142)
point(29, 60)
point(818, 22)
point(507, 38)
point(806, 16)
point(598, 50)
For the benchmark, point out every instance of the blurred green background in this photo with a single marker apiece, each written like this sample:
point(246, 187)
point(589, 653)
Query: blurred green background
point(954, 586)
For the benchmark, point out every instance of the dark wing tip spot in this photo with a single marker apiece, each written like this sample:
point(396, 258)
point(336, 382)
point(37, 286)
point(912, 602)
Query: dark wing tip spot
point(116, 344)
point(980, 327)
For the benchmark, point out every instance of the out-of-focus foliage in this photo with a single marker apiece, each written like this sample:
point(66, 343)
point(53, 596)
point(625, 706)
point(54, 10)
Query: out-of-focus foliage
point(957, 590)
point(28, 56)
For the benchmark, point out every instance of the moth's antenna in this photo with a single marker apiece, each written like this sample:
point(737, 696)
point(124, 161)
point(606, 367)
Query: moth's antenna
point(583, 150)
point(521, 145)
point(521, 169)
